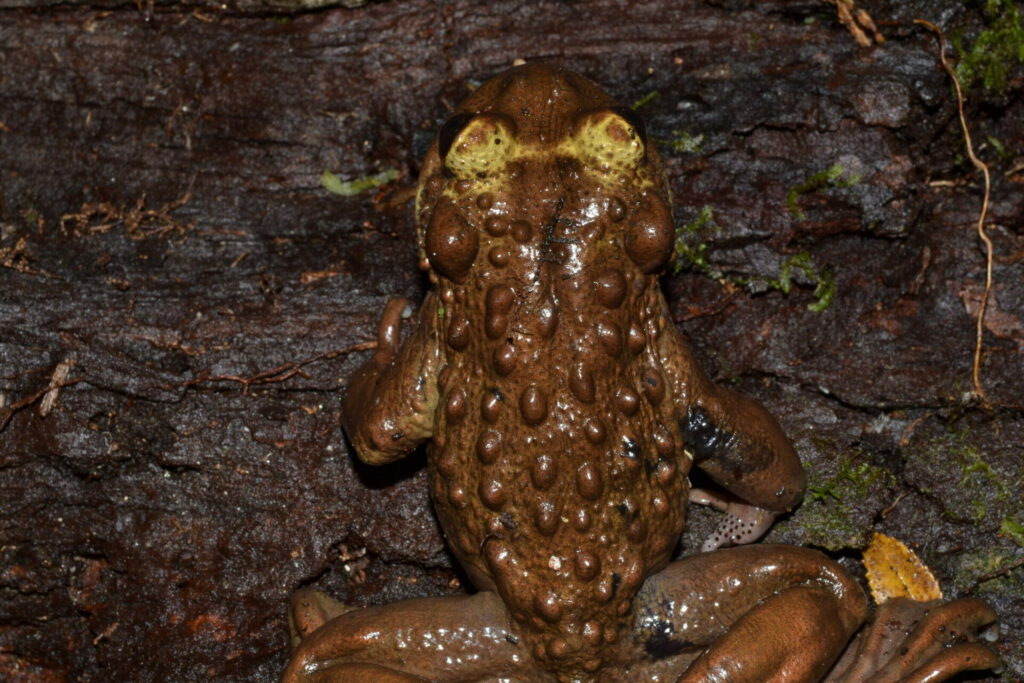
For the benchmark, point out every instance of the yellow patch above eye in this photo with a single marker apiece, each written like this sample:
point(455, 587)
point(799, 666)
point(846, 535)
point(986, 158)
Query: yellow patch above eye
point(606, 141)
point(481, 148)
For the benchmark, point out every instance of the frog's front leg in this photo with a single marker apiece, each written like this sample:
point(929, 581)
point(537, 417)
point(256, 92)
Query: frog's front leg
point(737, 443)
point(388, 411)
point(753, 613)
point(390, 401)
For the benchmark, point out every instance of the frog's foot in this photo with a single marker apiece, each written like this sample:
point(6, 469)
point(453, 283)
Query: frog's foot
point(912, 642)
point(754, 613)
point(459, 638)
point(310, 609)
point(743, 523)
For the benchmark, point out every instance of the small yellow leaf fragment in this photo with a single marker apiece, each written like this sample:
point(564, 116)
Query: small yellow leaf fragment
point(894, 571)
point(350, 188)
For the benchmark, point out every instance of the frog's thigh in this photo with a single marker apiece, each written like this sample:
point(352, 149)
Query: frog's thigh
point(310, 609)
point(437, 639)
point(766, 612)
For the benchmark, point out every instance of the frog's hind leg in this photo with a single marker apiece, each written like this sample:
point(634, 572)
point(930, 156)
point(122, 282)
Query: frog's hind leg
point(430, 639)
point(752, 613)
point(310, 609)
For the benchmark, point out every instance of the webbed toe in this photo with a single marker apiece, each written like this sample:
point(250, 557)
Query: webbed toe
point(920, 641)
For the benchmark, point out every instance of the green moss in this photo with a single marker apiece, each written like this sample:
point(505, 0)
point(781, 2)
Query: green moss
point(852, 480)
point(995, 51)
point(977, 472)
point(692, 254)
point(990, 561)
point(832, 528)
point(831, 177)
point(833, 513)
point(727, 374)
point(646, 99)
point(691, 251)
point(823, 279)
point(349, 188)
point(971, 491)
point(1001, 151)
point(683, 142)
point(1012, 529)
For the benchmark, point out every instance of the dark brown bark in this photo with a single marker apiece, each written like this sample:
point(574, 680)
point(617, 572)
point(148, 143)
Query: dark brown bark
point(155, 519)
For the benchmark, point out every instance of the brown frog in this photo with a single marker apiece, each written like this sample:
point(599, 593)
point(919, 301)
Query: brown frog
point(563, 413)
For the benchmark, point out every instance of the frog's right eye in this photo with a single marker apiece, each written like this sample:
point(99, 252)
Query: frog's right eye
point(475, 146)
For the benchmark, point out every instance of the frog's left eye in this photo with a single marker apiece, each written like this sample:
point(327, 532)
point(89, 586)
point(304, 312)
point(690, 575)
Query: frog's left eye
point(475, 146)
point(610, 139)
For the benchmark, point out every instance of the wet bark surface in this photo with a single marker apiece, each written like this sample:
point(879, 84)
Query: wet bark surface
point(181, 300)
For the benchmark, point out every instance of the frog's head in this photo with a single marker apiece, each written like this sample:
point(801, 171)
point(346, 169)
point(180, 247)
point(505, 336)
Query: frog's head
point(540, 165)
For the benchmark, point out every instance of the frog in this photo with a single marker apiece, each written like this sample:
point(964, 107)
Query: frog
point(562, 413)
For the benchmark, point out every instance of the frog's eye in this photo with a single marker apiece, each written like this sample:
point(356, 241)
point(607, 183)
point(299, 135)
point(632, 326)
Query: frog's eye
point(610, 139)
point(633, 120)
point(451, 128)
point(475, 146)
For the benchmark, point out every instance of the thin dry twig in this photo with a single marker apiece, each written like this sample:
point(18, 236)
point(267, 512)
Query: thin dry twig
point(57, 380)
point(1002, 571)
point(17, 258)
point(980, 165)
point(100, 217)
point(908, 431)
point(693, 312)
point(278, 374)
point(8, 412)
point(892, 506)
point(858, 22)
